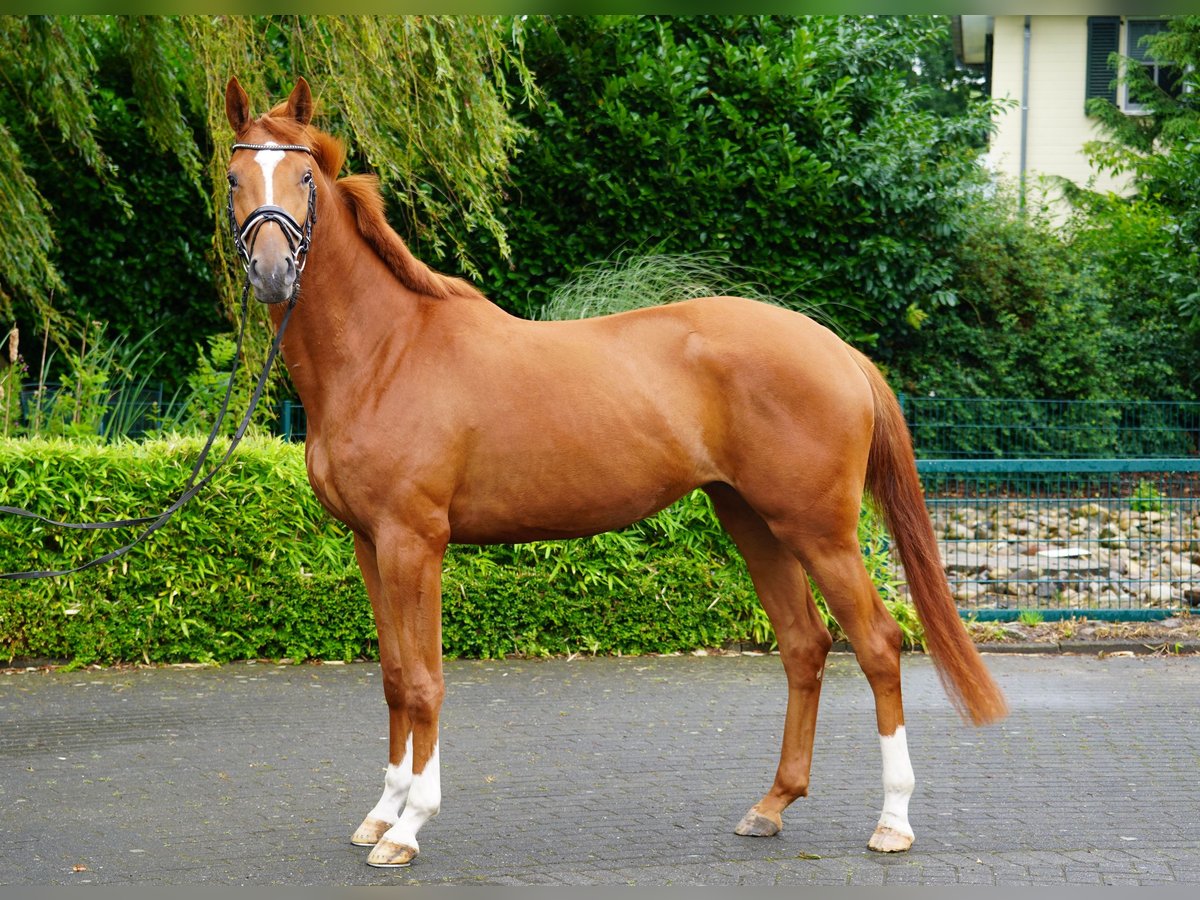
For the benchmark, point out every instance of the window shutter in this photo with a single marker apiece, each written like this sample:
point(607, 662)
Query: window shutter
point(1104, 39)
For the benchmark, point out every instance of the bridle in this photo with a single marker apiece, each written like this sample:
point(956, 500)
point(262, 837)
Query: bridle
point(298, 237)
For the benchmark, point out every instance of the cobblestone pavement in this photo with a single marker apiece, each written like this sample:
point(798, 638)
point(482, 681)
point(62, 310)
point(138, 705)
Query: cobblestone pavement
point(586, 771)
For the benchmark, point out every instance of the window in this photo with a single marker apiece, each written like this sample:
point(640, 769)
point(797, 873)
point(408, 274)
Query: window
point(1114, 34)
point(1163, 74)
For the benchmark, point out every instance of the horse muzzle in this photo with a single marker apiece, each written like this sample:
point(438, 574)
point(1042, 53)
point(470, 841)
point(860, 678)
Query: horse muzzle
point(274, 256)
point(273, 275)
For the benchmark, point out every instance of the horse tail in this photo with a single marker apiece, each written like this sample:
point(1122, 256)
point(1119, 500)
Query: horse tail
point(893, 484)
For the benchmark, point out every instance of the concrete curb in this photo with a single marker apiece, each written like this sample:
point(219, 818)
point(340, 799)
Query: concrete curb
point(1093, 648)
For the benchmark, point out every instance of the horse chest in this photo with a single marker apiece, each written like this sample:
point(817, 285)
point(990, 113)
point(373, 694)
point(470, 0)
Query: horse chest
point(323, 476)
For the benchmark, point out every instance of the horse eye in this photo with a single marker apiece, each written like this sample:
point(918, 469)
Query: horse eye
point(308, 178)
point(232, 179)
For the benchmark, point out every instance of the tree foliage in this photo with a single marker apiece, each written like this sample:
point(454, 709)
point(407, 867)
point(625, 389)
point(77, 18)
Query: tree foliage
point(423, 100)
point(1028, 322)
point(794, 147)
point(1160, 151)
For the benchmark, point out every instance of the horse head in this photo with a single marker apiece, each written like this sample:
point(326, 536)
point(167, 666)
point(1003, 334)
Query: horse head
point(272, 190)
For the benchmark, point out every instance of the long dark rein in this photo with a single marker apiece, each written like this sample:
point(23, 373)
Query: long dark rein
point(191, 488)
point(298, 238)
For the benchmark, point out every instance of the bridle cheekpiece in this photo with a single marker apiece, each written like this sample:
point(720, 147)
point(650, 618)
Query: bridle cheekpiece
point(299, 237)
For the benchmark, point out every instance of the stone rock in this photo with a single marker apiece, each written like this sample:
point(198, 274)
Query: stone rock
point(1048, 590)
point(967, 592)
point(1095, 554)
point(1182, 567)
point(956, 531)
point(1160, 594)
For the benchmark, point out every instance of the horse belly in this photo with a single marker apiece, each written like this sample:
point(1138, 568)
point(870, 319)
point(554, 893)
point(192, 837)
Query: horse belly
point(564, 494)
point(602, 434)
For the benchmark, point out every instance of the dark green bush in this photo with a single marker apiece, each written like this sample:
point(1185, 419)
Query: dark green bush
point(1028, 323)
point(1082, 309)
point(139, 261)
point(794, 147)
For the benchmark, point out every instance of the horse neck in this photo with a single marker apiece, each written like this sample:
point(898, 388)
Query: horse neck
point(349, 300)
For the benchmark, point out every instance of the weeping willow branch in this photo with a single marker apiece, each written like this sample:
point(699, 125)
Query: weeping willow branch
point(421, 100)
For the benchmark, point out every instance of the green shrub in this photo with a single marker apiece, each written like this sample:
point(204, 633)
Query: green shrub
point(794, 147)
point(1027, 323)
point(253, 568)
point(222, 581)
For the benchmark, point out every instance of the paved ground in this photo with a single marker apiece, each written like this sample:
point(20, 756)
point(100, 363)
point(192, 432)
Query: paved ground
point(591, 771)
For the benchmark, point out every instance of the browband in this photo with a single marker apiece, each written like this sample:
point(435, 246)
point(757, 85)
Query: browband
point(297, 147)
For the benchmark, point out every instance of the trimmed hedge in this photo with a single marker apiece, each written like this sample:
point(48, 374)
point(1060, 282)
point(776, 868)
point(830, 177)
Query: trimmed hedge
point(254, 568)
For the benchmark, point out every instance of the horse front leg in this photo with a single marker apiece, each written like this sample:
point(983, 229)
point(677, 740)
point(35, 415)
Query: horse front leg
point(398, 778)
point(409, 566)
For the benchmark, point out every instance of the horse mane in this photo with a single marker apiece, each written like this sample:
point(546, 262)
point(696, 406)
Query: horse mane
point(360, 194)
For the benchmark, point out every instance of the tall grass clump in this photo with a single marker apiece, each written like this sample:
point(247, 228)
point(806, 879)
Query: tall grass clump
point(633, 282)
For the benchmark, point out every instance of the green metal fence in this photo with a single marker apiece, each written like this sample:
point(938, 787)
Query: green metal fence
point(1097, 538)
point(293, 423)
point(988, 428)
point(1065, 507)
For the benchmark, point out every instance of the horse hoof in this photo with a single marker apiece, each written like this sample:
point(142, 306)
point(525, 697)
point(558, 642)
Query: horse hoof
point(369, 832)
point(889, 840)
point(759, 824)
point(390, 855)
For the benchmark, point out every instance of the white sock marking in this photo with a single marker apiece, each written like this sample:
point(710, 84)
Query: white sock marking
point(898, 782)
point(267, 161)
point(396, 785)
point(424, 801)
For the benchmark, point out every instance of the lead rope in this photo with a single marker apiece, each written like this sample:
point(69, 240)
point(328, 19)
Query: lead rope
point(192, 487)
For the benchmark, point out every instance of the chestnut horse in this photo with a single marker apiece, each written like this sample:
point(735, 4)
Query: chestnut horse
point(435, 417)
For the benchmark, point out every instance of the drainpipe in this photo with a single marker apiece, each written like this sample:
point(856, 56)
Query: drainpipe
point(1024, 114)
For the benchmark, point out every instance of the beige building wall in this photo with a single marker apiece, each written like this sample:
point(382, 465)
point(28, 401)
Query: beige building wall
point(1057, 125)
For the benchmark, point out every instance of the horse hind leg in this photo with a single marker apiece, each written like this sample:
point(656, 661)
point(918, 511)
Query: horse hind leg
point(838, 570)
point(804, 642)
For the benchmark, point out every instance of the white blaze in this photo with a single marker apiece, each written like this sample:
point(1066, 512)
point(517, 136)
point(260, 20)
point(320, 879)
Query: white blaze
point(267, 161)
point(898, 782)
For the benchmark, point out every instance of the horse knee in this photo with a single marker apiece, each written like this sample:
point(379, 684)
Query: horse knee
point(423, 698)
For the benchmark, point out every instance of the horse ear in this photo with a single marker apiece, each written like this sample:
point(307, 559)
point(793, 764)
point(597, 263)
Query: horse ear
point(300, 103)
point(237, 106)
